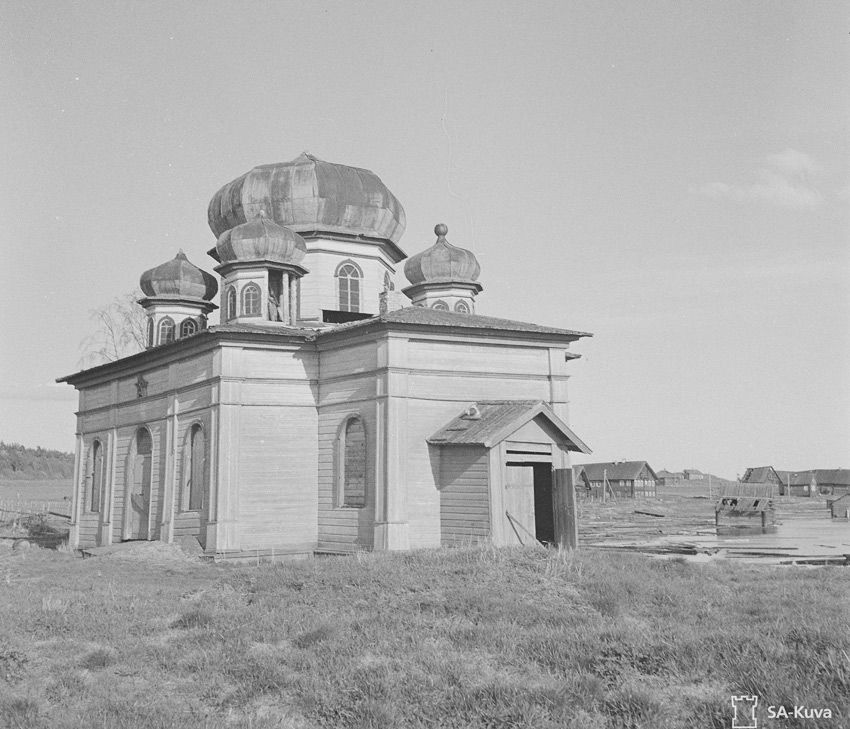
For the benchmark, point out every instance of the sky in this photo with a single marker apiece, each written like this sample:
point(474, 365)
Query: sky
point(672, 177)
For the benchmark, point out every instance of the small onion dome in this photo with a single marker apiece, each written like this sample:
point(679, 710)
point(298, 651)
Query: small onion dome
point(442, 262)
point(261, 239)
point(179, 278)
point(310, 195)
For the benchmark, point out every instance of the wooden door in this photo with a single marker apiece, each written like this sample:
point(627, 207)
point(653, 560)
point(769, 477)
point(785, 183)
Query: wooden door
point(564, 508)
point(140, 488)
point(519, 504)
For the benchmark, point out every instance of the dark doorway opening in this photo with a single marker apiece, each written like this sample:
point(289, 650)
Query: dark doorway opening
point(544, 516)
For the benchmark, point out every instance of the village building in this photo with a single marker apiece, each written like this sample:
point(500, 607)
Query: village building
point(620, 478)
point(670, 478)
point(334, 408)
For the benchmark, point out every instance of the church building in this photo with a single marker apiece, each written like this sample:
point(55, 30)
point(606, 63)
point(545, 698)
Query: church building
point(350, 398)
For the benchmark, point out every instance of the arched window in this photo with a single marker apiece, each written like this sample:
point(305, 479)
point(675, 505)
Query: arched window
point(166, 330)
point(461, 307)
point(150, 332)
point(230, 303)
point(251, 300)
point(188, 327)
point(388, 283)
point(195, 474)
point(348, 277)
point(440, 305)
point(96, 476)
point(351, 464)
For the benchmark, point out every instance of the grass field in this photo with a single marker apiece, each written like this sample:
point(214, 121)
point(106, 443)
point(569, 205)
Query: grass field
point(456, 638)
point(55, 490)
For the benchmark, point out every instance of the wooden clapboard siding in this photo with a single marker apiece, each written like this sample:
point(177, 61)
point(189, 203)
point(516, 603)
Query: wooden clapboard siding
point(257, 363)
point(89, 521)
point(192, 370)
point(347, 361)
point(157, 379)
point(478, 358)
point(269, 392)
point(318, 290)
point(344, 529)
point(186, 522)
point(464, 495)
point(471, 387)
point(277, 476)
point(422, 468)
point(348, 391)
point(197, 398)
point(119, 486)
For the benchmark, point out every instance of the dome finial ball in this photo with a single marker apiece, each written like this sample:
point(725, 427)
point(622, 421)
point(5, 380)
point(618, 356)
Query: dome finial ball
point(441, 229)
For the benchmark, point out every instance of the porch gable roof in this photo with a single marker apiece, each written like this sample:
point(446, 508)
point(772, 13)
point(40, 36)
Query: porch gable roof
point(489, 422)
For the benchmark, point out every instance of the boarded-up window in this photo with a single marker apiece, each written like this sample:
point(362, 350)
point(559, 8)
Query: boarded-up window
point(352, 461)
point(196, 470)
point(96, 475)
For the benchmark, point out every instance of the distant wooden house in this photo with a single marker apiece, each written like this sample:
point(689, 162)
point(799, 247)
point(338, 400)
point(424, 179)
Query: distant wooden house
point(670, 478)
point(691, 474)
point(764, 475)
point(832, 481)
point(623, 478)
point(797, 483)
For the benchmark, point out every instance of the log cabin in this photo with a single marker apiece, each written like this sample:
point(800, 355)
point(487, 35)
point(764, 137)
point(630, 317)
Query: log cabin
point(327, 412)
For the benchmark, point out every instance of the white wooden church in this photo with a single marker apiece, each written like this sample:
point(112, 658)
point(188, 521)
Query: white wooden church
point(335, 408)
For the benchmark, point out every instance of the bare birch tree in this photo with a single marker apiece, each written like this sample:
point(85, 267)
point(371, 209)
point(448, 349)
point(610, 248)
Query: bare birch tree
point(120, 330)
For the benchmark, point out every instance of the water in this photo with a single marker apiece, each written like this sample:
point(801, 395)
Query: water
point(793, 537)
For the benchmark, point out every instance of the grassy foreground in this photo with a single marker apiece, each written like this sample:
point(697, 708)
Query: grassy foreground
point(459, 638)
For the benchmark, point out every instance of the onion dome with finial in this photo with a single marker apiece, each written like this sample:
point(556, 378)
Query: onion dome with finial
point(178, 279)
point(261, 239)
point(442, 262)
point(310, 195)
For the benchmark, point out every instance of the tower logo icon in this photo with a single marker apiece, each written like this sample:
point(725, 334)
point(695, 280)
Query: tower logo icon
point(745, 712)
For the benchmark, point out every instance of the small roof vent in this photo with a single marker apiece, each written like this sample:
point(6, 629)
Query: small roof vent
point(471, 413)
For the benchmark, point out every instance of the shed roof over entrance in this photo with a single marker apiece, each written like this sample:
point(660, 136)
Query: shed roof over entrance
point(489, 422)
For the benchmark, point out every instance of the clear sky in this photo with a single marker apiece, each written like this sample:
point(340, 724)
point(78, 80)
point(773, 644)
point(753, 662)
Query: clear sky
point(673, 177)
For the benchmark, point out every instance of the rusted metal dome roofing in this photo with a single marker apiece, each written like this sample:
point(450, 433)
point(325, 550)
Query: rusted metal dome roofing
point(179, 278)
point(261, 239)
point(308, 194)
point(442, 262)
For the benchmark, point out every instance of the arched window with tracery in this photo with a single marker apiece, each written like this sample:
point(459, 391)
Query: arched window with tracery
point(195, 470)
point(188, 327)
point(461, 307)
point(230, 303)
point(440, 305)
point(96, 476)
point(351, 464)
point(251, 300)
point(166, 330)
point(348, 277)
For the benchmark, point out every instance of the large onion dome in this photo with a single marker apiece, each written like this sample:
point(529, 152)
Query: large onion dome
point(261, 239)
point(309, 195)
point(178, 278)
point(442, 262)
